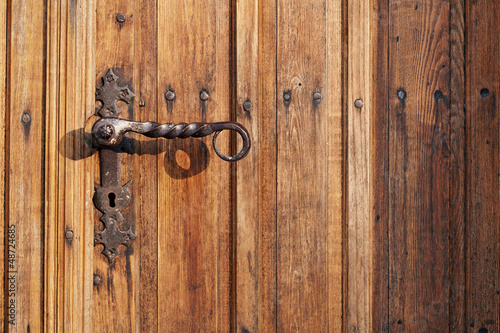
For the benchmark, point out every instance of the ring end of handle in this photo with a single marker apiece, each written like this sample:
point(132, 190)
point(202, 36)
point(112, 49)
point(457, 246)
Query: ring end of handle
point(219, 127)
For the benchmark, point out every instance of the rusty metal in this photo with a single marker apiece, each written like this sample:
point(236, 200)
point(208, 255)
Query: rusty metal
point(111, 198)
point(26, 118)
point(109, 132)
point(170, 95)
point(110, 93)
point(358, 104)
point(120, 18)
point(247, 105)
point(401, 94)
point(204, 95)
point(97, 280)
point(69, 234)
point(287, 96)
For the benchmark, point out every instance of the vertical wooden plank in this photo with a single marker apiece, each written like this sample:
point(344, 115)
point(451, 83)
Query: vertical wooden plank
point(335, 152)
point(483, 166)
point(301, 169)
point(358, 208)
point(3, 108)
point(25, 168)
point(55, 27)
point(379, 155)
point(267, 167)
point(69, 166)
point(419, 168)
point(457, 167)
point(194, 205)
point(115, 303)
point(309, 166)
point(247, 186)
point(147, 181)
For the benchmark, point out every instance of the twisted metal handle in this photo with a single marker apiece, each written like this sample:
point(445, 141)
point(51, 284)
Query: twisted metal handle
point(108, 132)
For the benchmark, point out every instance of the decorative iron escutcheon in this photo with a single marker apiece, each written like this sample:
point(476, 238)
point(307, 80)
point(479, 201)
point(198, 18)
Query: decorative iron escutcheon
point(111, 198)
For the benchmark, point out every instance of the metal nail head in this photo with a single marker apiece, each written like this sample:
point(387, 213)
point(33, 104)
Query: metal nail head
point(26, 118)
point(121, 18)
point(97, 280)
point(170, 95)
point(287, 97)
point(204, 95)
point(69, 235)
point(401, 94)
point(317, 96)
point(359, 103)
point(247, 106)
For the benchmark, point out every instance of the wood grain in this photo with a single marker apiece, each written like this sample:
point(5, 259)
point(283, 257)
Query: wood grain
point(24, 159)
point(379, 155)
point(335, 72)
point(147, 180)
point(194, 205)
point(115, 306)
point(69, 168)
point(419, 166)
point(267, 154)
point(3, 113)
point(483, 167)
point(247, 220)
point(359, 222)
point(382, 218)
point(309, 137)
point(457, 168)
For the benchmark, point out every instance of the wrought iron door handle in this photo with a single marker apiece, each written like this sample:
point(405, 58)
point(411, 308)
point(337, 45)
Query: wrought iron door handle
point(111, 197)
point(108, 133)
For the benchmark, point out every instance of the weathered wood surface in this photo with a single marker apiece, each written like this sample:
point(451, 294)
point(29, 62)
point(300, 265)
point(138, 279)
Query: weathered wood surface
point(146, 104)
point(457, 164)
point(358, 160)
point(195, 225)
point(266, 145)
point(309, 164)
point(24, 158)
point(248, 44)
point(380, 218)
point(482, 290)
point(69, 165)
point(255, 34)
point(419, 166)
point(379, 127)
point(411, 184)
point(3, 108)
point(334, 78)
point(249, 41)
point(436, 201)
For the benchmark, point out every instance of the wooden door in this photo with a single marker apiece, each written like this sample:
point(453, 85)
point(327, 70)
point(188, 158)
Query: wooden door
point(369, 201)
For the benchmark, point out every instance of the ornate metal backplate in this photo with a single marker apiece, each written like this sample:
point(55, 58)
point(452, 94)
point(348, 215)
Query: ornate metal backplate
point(111, 198)
point(110, 93)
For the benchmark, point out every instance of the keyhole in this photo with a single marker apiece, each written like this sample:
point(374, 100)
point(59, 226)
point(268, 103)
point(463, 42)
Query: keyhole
point(112, 198)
